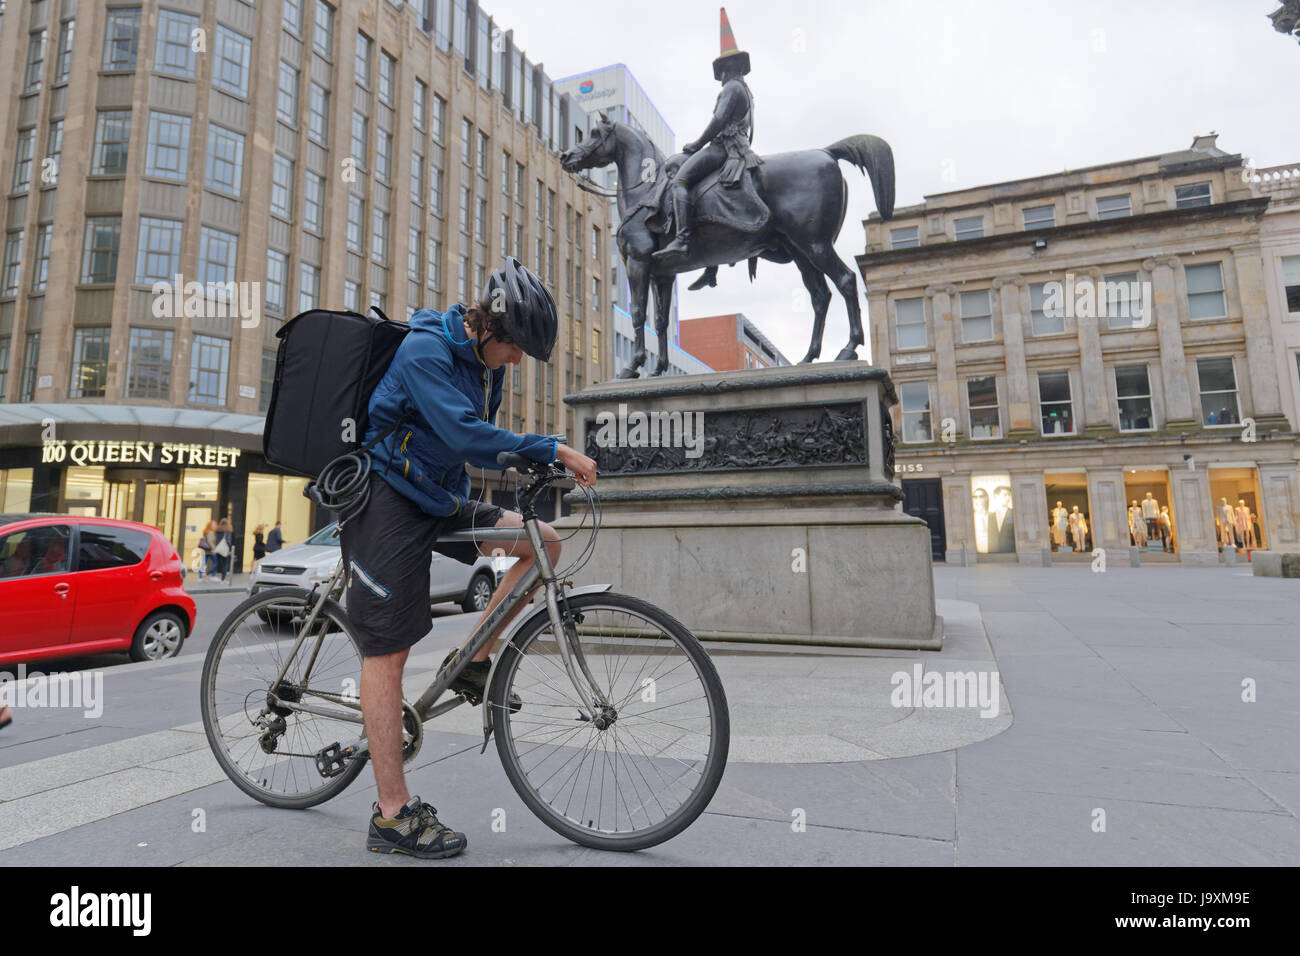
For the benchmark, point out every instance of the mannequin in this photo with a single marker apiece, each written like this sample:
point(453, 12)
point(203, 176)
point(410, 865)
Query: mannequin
point(1059, 524)
point(1243, 526)
point(1166, 529)
point(1227, 522)
point(1137, 525)
point(1151, 512)
point(1253, 532)
point(1078, 530)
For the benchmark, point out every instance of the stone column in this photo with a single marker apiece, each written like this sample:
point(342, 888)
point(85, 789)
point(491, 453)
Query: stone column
point(958, 523)
point(1012, 292)
point(948, 403)
point(1279, 487)
point(1097, 415)
point(1173, 361)
point(1261, 358)
point(1193, 516)
point(1030, 496)
point(1108, 511)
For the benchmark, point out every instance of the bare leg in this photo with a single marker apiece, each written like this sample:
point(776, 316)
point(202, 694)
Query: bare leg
point(522, 550)
point(381, 707)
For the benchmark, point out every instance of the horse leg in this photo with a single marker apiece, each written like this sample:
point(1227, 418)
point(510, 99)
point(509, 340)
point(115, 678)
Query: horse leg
point(638, 279)
point(663, 307)
point(820, 294)
point(824, 258)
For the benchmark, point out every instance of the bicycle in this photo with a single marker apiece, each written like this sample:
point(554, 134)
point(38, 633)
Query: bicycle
point(628, 746)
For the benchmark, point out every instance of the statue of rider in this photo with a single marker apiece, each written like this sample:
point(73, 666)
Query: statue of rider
point(724, 142)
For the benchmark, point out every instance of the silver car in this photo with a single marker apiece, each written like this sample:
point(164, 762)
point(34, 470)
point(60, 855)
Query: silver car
point(308, 564)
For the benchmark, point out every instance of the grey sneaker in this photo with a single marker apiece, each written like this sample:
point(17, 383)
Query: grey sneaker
point(415, 831)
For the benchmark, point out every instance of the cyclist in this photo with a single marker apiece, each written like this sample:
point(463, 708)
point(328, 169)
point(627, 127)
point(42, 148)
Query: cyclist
point(447, 375)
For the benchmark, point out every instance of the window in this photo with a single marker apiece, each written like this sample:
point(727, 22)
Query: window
point(225, 159)
point(293, 16)
point(1114, 207)
point(318, 113)
point(481, 157)
point(13, 263)
point(41, 273)
point(159, 256)
point(1291, 282)
point(107, 547)
point(35, 60)
point(4, 367)
point(520, 175)
point(387, 78)
point(121, 39)
point(905, 238)
point(282, 186)
point(1218, 380)
point(1039, 217)
point(352, 295)
point(464, 209)
point(1122, 298)
point(971, 227)
point(435, 191)
point(277, 271)
point(915, 400)
point(462, 279)
point(363, 60)
point(1133, 390)
point(308, 286)
point(439, 130)
point(31, 353)
point(360, 138)
point(417, 179)
point(419, 104)
point(466, 141)
point(595, 293)
point(910, 323)
point(379, 236)
point(174, 52)
point(356, 223)
point(168, 152)
point(505, 235)
point(23, 160)
point(982, 400)
point(149, 365)
point(1193, 194)
point(1042, 320)
point(322, 38)
point(209, 366)
point(976, 317)
point(89, 363)
point(505, 174)
point(313, 202)
point(99, 254)
point(384, 156)
point(40, 550)
point(230, 72)
point(480, 219)
point(1205, 298)
point(1054, 403)
point(595, 244)
point(268, 380)
point(414, 246)
point(286, 99)
point(63, 58)
point(112, 134)
point(595, 346)
point(54, 153)
point(435, 263)
point(217, 254)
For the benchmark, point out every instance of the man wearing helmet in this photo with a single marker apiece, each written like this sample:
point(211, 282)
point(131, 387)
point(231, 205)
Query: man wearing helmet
point(447, 376)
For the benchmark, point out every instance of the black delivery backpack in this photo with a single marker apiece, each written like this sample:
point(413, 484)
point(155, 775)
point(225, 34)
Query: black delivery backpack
point(326, 367)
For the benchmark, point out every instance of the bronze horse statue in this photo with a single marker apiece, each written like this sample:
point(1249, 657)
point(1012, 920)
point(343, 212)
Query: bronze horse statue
point(804, 192)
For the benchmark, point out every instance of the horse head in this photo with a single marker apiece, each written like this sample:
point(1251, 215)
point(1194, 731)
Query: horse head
point(600, 148)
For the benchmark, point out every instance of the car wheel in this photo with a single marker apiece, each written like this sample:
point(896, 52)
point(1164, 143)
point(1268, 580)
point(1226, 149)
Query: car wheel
point(159, 636)
point(479, 593)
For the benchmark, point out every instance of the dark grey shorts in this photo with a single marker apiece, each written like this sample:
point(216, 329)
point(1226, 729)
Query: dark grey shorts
point(387, 548)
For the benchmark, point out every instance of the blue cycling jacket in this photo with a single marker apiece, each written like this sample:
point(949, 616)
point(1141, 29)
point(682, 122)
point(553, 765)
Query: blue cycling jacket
point(438, 374)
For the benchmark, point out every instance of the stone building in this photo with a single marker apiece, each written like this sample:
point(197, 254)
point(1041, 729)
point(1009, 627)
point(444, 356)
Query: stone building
point(1100, 337)
point(280, 156)
point(729, 342)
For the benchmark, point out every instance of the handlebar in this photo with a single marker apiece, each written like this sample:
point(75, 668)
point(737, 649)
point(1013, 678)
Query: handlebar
point(551, 474)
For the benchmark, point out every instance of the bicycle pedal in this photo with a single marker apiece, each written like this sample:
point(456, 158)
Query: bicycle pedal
point(332, 760)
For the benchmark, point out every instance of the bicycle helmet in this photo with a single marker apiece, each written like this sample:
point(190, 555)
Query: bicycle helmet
point(524, 307)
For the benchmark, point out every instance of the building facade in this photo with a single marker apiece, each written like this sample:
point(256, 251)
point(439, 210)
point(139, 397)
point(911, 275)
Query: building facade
point(680, 362)
point(729, 342)
point(1093, 359)
point(183, 178)
point(614, 91)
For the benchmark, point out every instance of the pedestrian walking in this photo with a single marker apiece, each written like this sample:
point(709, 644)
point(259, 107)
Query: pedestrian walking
point(273, 540)
point(224, 548)
point(259, 545)
point(207, 545)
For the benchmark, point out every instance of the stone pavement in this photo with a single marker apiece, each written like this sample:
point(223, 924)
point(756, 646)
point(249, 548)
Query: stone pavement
point(1126, 689)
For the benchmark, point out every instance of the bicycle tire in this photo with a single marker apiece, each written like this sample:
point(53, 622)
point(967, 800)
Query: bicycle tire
point(504, 683)
point(337, 618)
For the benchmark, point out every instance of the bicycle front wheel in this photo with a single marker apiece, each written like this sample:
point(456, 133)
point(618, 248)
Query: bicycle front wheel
point(638, 772)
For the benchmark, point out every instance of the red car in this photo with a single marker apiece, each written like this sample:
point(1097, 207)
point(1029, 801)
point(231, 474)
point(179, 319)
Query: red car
point(71, 585)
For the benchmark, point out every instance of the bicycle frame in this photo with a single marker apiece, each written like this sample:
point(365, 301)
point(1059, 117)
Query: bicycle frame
point(427, 707)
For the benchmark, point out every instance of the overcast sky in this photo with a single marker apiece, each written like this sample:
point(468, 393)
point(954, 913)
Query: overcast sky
point(967, 92)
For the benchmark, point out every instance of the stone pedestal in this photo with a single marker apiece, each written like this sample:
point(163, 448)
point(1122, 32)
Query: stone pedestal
point(757, 505)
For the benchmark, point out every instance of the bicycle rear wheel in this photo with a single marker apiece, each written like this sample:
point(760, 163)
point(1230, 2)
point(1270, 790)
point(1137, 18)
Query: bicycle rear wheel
point(268, 750)
point(633, 776)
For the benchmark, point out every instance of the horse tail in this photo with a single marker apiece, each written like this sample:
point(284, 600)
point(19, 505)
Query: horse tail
point(872, 155)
